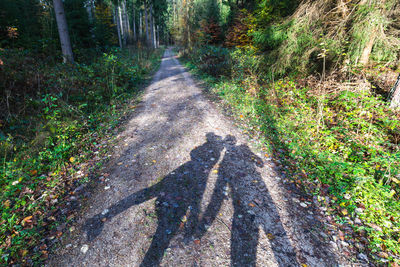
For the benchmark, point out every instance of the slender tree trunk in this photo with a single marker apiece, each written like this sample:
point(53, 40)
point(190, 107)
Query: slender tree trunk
point(65, 41)
point(158, 36)
point(395, 94)
point(125, 20)
point(147, 25)
point(368, 49)
point(140, 25)
point(121, 26)
point(151, 24)
point(116, 18)
point(154, 34)
point(89, 10)
point(134, 24)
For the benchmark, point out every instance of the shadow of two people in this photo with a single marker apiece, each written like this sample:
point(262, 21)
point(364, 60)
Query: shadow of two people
point(180, 193)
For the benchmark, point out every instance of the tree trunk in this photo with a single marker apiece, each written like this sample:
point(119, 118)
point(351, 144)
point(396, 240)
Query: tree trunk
point(134, 24)
point(89, 10)
point(140, 25)
point(121, 26)
point(116, 18)
point(125, 20)
point(65, 41)
point(367, 49)
point(151, 18)
point(395, 94)
point(147, 25)
point(158, 36)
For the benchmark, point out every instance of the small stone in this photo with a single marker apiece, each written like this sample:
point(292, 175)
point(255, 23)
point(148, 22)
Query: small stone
point(84, 249)
point(344, 243)
point(359, 210)
point(168, 232)
point(362, 257)
point(240, 216)
point(304, 205)
point(251, 212)
point(107, 187)
point(295, 200)
point(104, 212)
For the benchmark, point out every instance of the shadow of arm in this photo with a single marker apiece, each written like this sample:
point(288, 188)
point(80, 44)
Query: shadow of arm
point(94, 225)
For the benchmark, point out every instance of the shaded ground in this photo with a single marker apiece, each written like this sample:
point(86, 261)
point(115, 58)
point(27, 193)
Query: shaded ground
point(186, 189)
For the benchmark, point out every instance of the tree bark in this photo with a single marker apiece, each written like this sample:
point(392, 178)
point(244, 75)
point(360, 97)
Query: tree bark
point(116, 18)
point(121, 26)
point(367, 49)
point(151, 18)
point(125, 20)
point(65, 41)
point(147, 25)
point(395, 94)
point(158, 36)
point(134, 24)
point(140, 25)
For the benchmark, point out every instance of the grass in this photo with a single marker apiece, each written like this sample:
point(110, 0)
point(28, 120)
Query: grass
point(60, 115)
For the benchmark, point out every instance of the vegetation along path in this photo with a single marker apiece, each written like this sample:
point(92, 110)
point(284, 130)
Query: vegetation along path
point(186, 189)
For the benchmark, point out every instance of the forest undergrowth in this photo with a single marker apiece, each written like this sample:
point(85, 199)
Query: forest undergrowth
point(338, 141)
point(52, 120)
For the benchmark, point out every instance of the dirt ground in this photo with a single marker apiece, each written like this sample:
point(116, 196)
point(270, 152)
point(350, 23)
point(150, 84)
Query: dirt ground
point(185, 188)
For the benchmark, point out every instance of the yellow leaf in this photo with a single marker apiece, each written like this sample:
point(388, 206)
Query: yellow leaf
point(7, 203)
point(344, 212)
point(33, 172)
point(72, 159)
point(270, 236)
point(154, 161)
point(215, 171)
point(395, 180)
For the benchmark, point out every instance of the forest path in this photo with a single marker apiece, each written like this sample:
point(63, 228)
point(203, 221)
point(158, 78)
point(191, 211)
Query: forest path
point(185, 189)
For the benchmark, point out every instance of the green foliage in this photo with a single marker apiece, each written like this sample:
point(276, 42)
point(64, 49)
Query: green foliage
point(211, 59)
point(50, 129)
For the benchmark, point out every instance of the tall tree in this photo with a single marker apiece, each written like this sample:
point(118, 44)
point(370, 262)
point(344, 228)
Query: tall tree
point(63, 31)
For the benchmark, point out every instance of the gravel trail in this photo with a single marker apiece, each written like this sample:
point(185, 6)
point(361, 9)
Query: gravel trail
point(186, 188)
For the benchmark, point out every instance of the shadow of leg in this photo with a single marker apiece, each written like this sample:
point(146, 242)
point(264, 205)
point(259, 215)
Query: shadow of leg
point(244, 237)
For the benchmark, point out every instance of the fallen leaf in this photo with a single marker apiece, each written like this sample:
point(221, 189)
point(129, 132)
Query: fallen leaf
point(215, 171)
point(59, 233)
point(341, 235)
point(252, 205)
point(270, 236)
point(26, 220)
point(33, 172)
point(197, 241)
point(344, 212)
point(72, 159)
point(7, 203)
point(119, 163)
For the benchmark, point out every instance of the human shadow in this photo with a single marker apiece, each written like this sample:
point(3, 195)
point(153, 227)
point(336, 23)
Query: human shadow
point(253, 208)
point(178, 197)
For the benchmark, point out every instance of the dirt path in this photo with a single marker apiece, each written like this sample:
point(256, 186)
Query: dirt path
point(186, 189)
